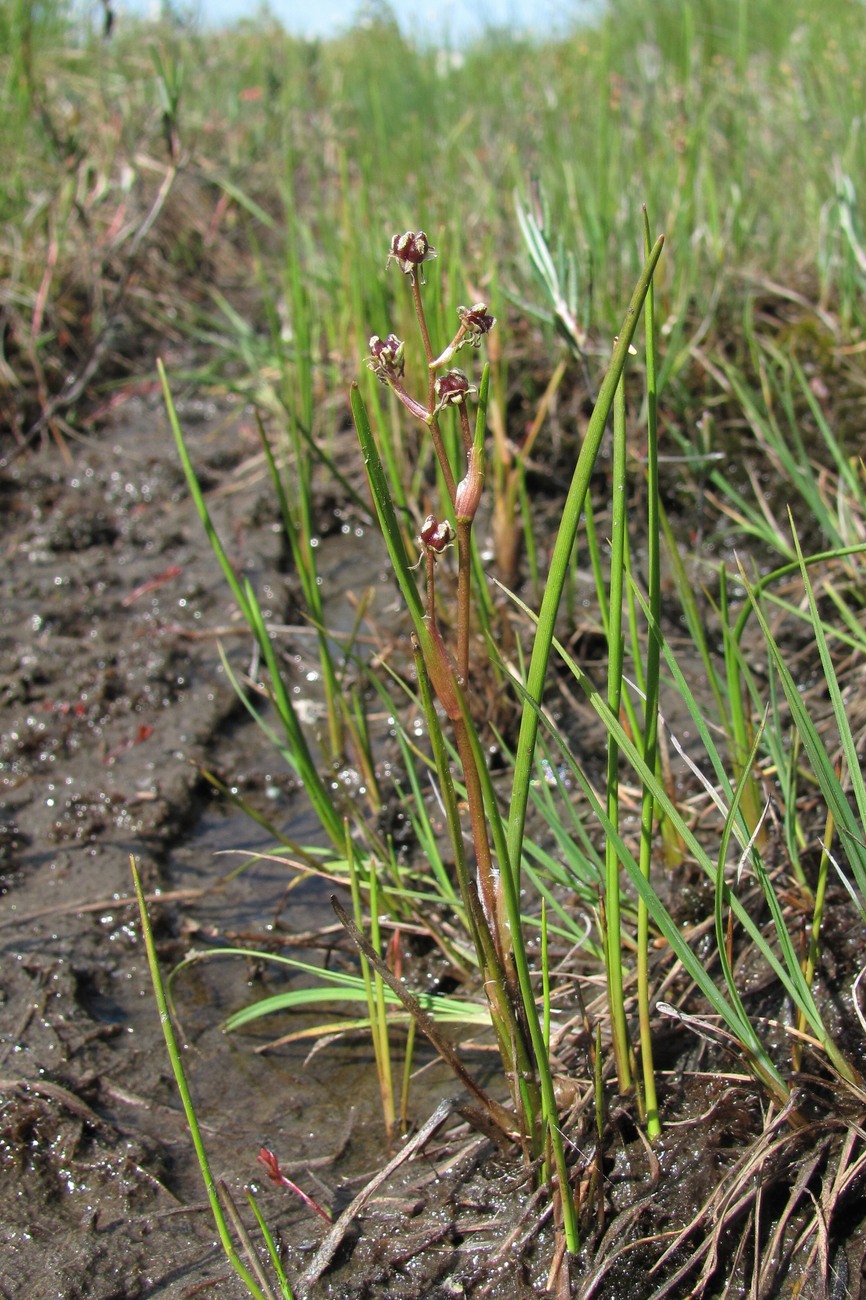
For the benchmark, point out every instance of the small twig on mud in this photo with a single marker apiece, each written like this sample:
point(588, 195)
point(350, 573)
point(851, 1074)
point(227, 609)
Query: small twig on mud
point(106, 905)
point(329, 1246)
point(55, 1092)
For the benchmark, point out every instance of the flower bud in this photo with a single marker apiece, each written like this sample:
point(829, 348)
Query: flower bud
point(452, 389)
point(409, 251)
point(469, 489)
point(435, 536)
point(386, 357)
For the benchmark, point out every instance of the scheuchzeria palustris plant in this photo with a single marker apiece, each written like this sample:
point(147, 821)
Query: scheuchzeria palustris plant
point(488, 886)
point(447, 387)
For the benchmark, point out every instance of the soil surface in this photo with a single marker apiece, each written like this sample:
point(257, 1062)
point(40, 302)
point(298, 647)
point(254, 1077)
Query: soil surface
point(111, 686)
point(114, 700)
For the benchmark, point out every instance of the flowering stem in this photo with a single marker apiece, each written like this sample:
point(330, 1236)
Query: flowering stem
point(430, 416)
point(422, 325)
point(464, 577)
point(466, 504)
point(413, 406)
point(453, 346)
point(431, 579)
point(441, 454)
point(489, 888)
point(465, 429)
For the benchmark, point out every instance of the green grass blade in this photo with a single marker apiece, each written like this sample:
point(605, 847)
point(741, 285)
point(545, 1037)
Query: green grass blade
point(175, 1057)
point(559, 564)
point(849, 829)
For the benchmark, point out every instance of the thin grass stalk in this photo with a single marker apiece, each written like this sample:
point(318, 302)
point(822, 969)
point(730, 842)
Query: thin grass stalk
point(394, 457)
point(509, 487)
point(373, 987)
point(380, 1023)
point(722, 896)
point(593, 548)
point(795, 838)
point(849, 468)
point(651, 710)
point(174, 1053)
point(788, 970)
point(598, 1087)
point(783, 748)
point(615, 650)
point(286, 1292)
point(743, 1030)
point(482, 601)
point(427, 836)
point(695, 624)
point(320, 797)
point(803, 996)
point(529, 533)
point(198, 496)
point(511, 895)
point(407, 1077)
point(813, 956)
point(300, 542)
point(357, 726)
point(840, 711)
point(740, 726)
point(323, 805)
point(560, 562)
point(249, 607)
point(849, 829)
point(768, 580)
point(545, 981)
point(243, 1236)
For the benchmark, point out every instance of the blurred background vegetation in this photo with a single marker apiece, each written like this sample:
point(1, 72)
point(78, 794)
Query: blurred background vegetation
point(158, 185)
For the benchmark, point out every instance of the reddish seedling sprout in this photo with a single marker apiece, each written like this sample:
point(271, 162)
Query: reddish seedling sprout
point(267, 1158)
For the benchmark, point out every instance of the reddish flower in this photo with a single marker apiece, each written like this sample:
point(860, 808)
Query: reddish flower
point(409, 251)
point(477, 322)
point(452, 389)
point(386, 357)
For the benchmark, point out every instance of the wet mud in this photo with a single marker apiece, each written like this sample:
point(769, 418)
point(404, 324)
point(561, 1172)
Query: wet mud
point(114, 699)
point(112, 691)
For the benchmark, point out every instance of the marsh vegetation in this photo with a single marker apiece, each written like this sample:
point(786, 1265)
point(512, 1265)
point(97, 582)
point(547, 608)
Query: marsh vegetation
point(377, 475)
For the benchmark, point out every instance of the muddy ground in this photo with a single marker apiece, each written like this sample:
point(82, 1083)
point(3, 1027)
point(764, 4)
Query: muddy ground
point(113, 698)
point(113, 694)
point(112, 686)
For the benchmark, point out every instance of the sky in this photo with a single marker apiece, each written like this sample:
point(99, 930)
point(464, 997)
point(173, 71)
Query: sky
point(451, 20)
